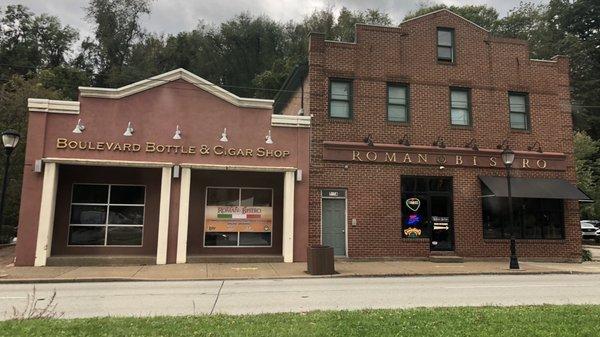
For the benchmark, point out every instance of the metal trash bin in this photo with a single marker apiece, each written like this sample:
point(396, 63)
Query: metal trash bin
point(320, 260)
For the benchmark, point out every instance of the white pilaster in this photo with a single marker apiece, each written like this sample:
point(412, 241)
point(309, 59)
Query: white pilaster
point(46, 220)
point(184, 210)
point(163, 217)
point(287, 248)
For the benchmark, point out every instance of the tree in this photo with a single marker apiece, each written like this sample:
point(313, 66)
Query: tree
point(117, 28)
point(29, 43)
point(587, 165)
point(13, 115)
point(579, 29)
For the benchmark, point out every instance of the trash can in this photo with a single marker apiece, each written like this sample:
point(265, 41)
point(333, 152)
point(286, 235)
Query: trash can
point(320, 260)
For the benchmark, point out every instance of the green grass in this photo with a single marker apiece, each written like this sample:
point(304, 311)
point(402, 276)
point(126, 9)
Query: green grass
point(447, 322)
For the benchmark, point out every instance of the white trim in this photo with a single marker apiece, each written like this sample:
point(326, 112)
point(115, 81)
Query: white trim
point(104, 162)
point(163, 217)
point(184, 211)
point(345, 198)
point(287, 246)
point(238, 168)
point(46, 219)
point(443, 10)
point(290, 121)
point(53, 106)
point(540, 60)
point(173, 75)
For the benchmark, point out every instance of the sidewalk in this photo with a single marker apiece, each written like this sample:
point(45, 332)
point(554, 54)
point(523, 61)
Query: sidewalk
point(221, 271)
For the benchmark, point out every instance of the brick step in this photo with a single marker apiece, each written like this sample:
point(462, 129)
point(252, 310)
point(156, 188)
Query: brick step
point(445, 258)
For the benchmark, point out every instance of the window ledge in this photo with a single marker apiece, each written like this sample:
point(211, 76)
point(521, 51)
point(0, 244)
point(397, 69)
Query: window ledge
point(446, 63)
point(520, 130)
point(415, 240)
point(461, 127)
point(397, 123)
point(340, 119)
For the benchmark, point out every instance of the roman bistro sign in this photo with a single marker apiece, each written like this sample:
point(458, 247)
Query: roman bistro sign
point(152, 147)
point(430, 155)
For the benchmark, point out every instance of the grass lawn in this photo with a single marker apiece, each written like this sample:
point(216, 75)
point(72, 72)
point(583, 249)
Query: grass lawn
point(448, 322)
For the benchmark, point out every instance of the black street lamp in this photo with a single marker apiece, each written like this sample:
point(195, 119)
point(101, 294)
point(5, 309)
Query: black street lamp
point(10, 139)
point(508, 157)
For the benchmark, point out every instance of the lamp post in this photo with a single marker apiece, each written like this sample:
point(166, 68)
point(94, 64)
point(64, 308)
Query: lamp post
point(10, 139)
point(508, 157)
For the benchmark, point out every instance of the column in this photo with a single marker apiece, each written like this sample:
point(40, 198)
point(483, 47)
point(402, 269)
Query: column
point(163, 217)
point(287, 248)
point(46, 220)
point(184, 211)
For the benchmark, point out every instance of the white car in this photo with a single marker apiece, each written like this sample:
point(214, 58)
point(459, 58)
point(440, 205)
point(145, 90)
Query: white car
point(589, 231)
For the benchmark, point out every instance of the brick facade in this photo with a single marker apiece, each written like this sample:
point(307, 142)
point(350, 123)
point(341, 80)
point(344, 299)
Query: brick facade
point(490, 67)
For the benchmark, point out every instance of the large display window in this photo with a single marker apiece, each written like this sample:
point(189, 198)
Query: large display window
point(107, 215)
point(238, 217)
point(534, 218)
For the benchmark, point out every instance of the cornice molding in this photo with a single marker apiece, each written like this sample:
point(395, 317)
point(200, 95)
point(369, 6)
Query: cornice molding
point(53, 106)
point(177, 74)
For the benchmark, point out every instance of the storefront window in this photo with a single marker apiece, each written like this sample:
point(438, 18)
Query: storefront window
point(238, 217)
point(534, 218)
point(107, 215)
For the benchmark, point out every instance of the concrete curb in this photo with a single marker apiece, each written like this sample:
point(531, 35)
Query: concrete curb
point(130, 279)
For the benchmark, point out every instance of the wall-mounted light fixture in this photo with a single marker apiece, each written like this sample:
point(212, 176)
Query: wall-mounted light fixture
point(129, 131)
point(301, 112)
point(503, 145)
point(369, 140)
point(404, 141)
point(439, 142)
point(224, 136)
point(472, 144)
point(79, 127)
point(268, 138)
point(532, 147)
point(177, 134)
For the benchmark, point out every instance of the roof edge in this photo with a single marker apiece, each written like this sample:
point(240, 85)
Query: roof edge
point(444, 10)
point(170, 76)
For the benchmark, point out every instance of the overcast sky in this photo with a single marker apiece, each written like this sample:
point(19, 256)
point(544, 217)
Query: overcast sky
point(172, 16)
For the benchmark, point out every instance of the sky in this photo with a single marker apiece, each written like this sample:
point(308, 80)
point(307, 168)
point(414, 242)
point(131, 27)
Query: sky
point(173, 16)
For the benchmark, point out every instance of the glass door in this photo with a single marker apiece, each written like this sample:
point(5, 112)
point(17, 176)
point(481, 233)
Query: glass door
point(427, 211)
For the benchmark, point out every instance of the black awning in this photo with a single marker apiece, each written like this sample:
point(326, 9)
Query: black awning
point(532, 188)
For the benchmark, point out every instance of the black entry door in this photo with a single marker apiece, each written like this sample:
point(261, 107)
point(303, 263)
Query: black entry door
point(441, 225)
point(427, 210)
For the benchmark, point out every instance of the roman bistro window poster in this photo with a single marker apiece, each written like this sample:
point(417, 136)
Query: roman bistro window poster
point(238, 217)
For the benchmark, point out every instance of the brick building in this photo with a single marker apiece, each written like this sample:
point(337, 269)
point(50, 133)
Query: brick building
point(408, 127)
point(389, 146)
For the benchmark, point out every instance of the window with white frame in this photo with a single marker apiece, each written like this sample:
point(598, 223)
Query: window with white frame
point(107, 215)
point(238, 217)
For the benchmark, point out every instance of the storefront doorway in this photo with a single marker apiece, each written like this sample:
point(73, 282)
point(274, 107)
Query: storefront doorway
point(427, 211)
point(333, 228)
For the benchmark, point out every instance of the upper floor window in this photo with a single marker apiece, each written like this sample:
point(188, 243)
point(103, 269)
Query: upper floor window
point(519, 110)
point(445, 44)
point(340, 98)
point(397, 103)
point(460, 106)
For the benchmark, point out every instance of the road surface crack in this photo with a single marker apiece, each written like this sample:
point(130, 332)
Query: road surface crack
point(217, 298)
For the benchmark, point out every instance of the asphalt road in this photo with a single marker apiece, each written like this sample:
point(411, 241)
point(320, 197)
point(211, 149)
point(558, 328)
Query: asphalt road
point(280, 295)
